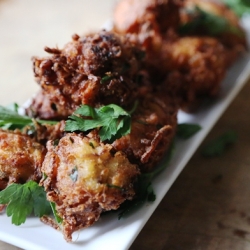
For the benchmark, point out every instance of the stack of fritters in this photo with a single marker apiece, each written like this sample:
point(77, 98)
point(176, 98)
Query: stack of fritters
point(188, 43)
point(146, 62)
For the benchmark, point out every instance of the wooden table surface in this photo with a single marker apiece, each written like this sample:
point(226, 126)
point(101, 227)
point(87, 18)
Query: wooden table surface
point(207, 208)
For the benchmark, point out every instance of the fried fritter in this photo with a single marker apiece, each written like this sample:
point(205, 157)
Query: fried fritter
point(150, 20)
point(201, 63)
point(96, 69)
point(20, 158)
point(84, 178)
point(152, 130)
point(192, 67)
point(148, 23)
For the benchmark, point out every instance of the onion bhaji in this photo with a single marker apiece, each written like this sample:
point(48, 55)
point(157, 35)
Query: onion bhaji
point(201, 63)
point(150, 20)
point(20, 158)
point(84, 178)
point(96, 69)
point(22, 152)
point(148, 23)
point(191, 66)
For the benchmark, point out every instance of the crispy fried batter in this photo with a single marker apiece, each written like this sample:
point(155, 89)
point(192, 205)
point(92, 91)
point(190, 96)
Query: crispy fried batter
point(95, 69)
point(84, 179)
point(152, 130)
point(201, 63)
point(150, 20)
point(148, 23)
point(20, 158)
point(45, 132)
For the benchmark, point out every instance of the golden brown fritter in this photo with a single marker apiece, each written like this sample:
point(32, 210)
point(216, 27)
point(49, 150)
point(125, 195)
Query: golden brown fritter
point(150, 20)
point(148, 23)
point(191, 67)
point(152, 130)
point(232, 35)
point(84, 178)
point(95, 69)
point(20, 158)
point(201, 63)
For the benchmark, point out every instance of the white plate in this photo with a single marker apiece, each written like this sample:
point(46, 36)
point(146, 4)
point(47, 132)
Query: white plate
point(109, 232)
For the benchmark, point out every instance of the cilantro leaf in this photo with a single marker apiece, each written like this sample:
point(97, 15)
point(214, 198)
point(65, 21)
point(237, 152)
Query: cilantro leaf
point(107, 78)
point(7, 193)
point(58, 219)
point(186, 130)
point(113, 121)
point(10, 119)
point(217, 146)
point(9, 116)
point(209, 23)
point(23, 199)
point(238, 6)
point(74, 174)
point(40, 203)
point(144, 188)
point(20, 206)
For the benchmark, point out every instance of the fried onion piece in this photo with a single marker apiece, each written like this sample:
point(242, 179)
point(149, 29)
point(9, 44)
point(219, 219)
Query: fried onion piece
point(84, 178)
point(20, 158)
point(45, 132)
point(152, 130)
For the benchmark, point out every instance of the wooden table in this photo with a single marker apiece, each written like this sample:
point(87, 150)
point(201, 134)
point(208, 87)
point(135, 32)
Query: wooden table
point(207, 208)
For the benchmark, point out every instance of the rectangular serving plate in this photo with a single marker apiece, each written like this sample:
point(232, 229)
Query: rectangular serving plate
point(109, 232)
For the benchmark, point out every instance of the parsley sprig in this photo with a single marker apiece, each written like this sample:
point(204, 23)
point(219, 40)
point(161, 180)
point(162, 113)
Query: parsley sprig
point(24, 199)
point(187, 130)
point(144, 188)
point(218, 146)
point(213, 25)
point(58, 219)
point(113, 121)
point(240, 7)
point(11, 119)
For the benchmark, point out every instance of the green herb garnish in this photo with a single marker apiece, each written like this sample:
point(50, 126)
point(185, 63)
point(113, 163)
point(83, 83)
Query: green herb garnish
point(107, 78)
point(186, 130)
point(144, 189)
point(113, 121)
point(58, 219)
point(23, 199)
point(219, 145)
point(14, 106)
point(238, 6)
point(10, 119)
point(208, 23)
point(74, 174)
